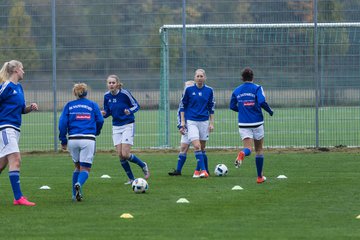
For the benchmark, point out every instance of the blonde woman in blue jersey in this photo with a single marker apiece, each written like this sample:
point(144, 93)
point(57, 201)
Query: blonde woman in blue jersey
point(121, 105)
point(197, 109)
point(184, 142)
point(248, 99)
point(12, 105)
point(82, 121)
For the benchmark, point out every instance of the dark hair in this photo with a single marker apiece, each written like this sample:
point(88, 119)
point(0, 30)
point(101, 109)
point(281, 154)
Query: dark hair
point(247, 74)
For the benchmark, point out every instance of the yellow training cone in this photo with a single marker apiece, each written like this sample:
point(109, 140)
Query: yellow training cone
point(126, 215)
point(358, 217)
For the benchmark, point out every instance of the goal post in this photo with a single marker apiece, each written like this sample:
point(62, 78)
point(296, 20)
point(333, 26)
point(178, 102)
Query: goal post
point(281, 52)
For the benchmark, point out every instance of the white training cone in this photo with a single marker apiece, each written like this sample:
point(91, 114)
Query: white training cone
point(358, 217)
point(237, 187)
point(182, 200)
point(126, 215)
point(282, 177)
point(45, 187)
point(105, 176)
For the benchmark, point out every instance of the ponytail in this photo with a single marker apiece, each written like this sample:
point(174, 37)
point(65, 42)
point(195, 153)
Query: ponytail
point(7, 69)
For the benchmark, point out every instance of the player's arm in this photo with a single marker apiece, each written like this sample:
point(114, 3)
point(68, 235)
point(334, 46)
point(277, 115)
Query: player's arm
point(63, 127)
point(233, 103)
point(262, 101)
point(106, 112)
point(211, 123)
point(30, 108)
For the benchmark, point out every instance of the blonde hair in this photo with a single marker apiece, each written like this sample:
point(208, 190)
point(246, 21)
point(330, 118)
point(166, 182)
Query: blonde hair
point(80, 90)
point(200, 70)
point(189, 83)
point(8, 68)
point(119, 83)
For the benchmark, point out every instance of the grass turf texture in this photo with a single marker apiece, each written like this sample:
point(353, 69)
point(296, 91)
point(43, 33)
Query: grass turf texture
point(319, 200)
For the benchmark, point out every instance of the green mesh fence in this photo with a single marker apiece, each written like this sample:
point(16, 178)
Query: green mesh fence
point(308, 104)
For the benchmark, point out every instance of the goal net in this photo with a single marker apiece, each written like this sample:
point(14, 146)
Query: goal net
point(284, 62)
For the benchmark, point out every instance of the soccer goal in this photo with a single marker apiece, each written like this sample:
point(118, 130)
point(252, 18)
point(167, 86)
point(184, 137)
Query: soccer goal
point(299, 64)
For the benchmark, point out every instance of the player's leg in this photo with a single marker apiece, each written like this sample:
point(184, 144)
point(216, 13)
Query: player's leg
point(125, 164)
point(184, 147)
point(247, 139)
point(14, 176)
point(127, 142)
point(14, 162)
point(3, 163)
point(75, 155)
point(206, 164)
point(118, 139)
point(87, 150)
point(194, 137)
point(259, 158)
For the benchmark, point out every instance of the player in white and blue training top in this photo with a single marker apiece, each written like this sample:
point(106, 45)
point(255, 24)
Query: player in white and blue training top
point(197, 109)
point(184, 142)
point(80, 122)
point(121, 105)
point(248, 99)
point(12, 105)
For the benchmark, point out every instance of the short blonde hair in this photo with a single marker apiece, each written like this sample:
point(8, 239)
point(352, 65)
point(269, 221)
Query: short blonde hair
point(80, 90)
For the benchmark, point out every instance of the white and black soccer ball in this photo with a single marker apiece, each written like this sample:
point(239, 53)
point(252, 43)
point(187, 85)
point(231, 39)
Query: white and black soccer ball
point(221, 170)
point(140, 185)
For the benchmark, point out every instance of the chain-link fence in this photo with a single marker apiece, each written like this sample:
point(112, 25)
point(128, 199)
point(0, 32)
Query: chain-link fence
point(311, 78)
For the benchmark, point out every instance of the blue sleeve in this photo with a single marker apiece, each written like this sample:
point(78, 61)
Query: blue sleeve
point(233, 103)
point(184, 101)
point(63, 125)
point(134, 104)
point(5, 92)
point(211, 103)
point(262, 101)
point(267, 108)
point(106, 107)
point(98, 119)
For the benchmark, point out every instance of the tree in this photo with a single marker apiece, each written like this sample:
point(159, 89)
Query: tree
point(19, 43)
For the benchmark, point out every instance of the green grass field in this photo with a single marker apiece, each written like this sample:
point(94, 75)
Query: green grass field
point(318, 200)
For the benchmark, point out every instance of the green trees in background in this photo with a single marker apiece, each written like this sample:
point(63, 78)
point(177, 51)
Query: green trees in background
point(17, 39)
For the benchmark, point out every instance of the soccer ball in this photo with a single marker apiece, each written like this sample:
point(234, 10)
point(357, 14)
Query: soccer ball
point(139, 185)
point(221, 170)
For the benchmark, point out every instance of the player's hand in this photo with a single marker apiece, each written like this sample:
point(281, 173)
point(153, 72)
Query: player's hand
point(211, 127)
point(182, 130)
point(103, 112)
point(127, 111)
point(34, 107)
point(64, 146)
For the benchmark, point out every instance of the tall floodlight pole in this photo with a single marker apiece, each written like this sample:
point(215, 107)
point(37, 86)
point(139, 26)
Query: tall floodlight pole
point(53, 26)
point(316, 72)
point(184, 39)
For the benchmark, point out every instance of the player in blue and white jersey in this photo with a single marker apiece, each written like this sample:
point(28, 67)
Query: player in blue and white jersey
point(184, 142)
point(197, 109)
point(80, 121)
point(248, 99)
point(12, 106)
point(121, 105)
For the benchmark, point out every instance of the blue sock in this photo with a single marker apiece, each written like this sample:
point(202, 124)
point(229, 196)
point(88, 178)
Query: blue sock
point(136, 160)
point(200, 160)
point(181, 161)
point(247, 151)
point(15, 183)
point(83, 176)
point(259, 160)
point(205, 161)
point(125, 164)
point(74, 180)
